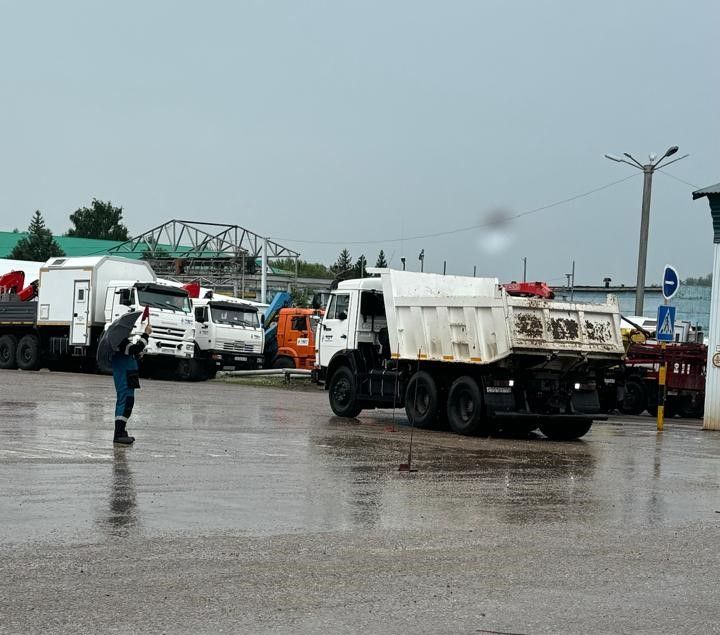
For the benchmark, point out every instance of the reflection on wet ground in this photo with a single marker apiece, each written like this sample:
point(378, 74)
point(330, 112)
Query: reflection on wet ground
point(120, 518)
point(233, 458)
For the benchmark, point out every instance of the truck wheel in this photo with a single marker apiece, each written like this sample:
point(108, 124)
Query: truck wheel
point(465, 407)
point(565, 431)
point(421, 400)
point(343, 393)
point(283, 362)
point(189, 370)
point(636, 398)
point(28, 353)
point(8, 352)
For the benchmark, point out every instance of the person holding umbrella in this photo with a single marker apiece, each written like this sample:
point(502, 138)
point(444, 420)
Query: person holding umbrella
point(116, 351)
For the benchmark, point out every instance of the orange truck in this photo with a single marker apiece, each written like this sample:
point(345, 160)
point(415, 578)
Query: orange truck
point(294, 345)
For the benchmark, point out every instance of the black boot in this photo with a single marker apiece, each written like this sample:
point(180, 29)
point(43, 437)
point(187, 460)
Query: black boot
point(121, 435)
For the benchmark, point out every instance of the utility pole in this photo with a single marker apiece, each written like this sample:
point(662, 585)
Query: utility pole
point(263, 275)
point(648, 169)
point(524, 269)
point(421, 258)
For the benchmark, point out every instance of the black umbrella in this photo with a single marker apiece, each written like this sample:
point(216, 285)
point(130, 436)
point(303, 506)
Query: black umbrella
point(112, 337)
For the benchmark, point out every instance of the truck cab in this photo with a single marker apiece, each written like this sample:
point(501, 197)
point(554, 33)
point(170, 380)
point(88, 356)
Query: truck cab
point(170, 315)
point(354, 319)
point(228, 335)
point(295, 337)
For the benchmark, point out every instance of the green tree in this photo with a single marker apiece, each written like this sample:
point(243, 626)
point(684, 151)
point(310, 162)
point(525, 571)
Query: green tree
point(305, 269)
point(38, 245)
point(701, 281)
point(101, 221)
point(300, 297)
point(343, 265)
point(381, 262)
point(360, 268)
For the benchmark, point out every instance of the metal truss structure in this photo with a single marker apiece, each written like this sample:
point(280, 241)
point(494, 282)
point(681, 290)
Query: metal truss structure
point(195, 239)
point(219, 255)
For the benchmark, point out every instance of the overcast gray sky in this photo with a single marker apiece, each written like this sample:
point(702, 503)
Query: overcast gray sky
point(371, 121)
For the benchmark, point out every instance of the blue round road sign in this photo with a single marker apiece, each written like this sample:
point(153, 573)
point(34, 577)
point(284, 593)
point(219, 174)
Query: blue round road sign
point(671, 282)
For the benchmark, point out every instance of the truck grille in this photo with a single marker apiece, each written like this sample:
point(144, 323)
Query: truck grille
point(241, 347)
point(168, 333)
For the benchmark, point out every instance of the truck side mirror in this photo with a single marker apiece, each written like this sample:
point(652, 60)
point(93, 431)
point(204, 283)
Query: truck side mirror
point(262, 320)
point(342, 316)
point(200, 315)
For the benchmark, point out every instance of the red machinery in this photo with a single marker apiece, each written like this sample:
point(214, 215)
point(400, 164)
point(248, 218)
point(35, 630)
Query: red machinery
point(12, 284)
point(529, 290)
point(685, 382)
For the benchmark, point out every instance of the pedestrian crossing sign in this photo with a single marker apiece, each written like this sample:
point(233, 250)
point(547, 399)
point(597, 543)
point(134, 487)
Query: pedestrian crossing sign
point(666, 323)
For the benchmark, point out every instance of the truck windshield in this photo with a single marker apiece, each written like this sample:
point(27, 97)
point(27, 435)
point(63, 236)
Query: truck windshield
point(160, 300)
point(234, 315)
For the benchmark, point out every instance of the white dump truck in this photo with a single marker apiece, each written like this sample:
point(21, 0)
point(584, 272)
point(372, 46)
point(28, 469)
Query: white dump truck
point(461, 350)
point(75, 299)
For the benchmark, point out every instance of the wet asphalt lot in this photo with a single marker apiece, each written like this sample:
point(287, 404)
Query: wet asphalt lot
point(252, 510)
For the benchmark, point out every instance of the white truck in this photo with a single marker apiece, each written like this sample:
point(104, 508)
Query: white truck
point(76, 297)
point(461, 350)
point(228, 336)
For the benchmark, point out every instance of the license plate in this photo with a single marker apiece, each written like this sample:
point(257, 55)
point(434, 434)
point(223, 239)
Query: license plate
point(241, 359)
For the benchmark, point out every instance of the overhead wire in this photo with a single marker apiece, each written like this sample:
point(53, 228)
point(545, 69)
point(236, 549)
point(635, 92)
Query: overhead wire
point(677, 178)
point(461, 229)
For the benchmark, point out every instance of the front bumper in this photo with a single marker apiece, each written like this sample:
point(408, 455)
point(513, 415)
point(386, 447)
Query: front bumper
point(170, 348)
point(236, 361)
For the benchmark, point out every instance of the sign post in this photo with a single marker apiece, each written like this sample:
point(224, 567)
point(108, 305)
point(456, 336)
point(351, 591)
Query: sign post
point(665, 333)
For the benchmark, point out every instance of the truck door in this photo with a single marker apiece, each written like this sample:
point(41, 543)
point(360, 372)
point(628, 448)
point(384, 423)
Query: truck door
point(335, 327)
point(80, 328)
point(301, 331)
point(202, 327)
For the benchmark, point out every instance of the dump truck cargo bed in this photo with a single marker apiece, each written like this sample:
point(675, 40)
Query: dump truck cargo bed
point(473, 320)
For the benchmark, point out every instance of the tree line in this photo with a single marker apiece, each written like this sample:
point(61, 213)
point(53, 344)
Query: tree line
point(101, 221)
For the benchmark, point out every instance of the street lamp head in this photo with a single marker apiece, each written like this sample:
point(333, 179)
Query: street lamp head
point(652, 156)
point(670, 151)
point(612, 157)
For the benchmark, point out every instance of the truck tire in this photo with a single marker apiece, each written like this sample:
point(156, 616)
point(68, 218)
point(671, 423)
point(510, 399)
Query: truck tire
point(28, 353)
point(636, 398)
point(190, 370)
point(421, 400)
point(465, 408)
point(283, 362)
point(342, 392)
point(8, 352)
point(565, 431)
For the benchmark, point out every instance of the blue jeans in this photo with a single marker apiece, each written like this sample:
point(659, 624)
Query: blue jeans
point(124, 367)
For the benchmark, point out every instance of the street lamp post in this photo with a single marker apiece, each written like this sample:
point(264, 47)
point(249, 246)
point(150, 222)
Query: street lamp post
point(648, 169)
